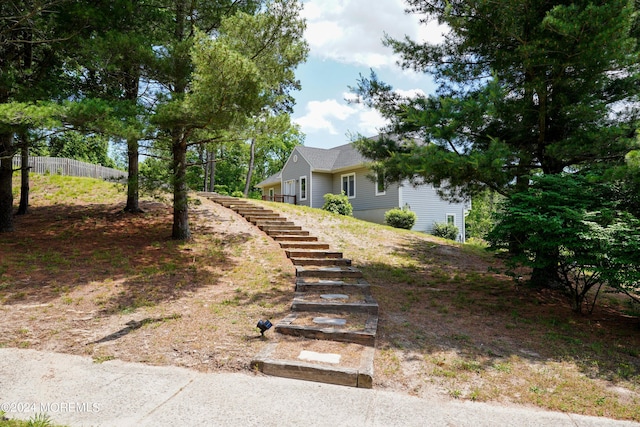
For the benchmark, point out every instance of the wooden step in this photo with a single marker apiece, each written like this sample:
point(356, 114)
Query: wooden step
point(328, 272)
point(294, 253)
point(360, 375)
point(303, 245)
point(280, 227)
point(261, 217)
point(358, 334)
point(286, 232)
point(253, 212)
point(336, 286)
point(278, 222)
point(287, 238)
point(321, 261)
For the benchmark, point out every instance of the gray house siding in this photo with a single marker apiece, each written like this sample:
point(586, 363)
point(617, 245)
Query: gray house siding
point(321, 184)
point(324, 169)
point(277, 189)
point(295, 168)
point(430, 208)
point(366, 204)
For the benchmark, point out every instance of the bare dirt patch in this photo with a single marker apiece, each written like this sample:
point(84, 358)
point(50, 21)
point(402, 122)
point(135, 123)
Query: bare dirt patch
point(92, 280)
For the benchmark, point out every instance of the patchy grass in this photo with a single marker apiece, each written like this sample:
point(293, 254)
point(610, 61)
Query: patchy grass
point(79, 276)
point(450, 325)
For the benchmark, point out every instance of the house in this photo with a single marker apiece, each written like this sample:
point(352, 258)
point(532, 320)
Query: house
point(310, 173)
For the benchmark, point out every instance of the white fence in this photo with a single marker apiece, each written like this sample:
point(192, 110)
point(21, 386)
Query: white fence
point(70, 167)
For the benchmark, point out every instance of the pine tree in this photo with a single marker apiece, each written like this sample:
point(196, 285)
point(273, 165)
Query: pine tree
point(524, 88)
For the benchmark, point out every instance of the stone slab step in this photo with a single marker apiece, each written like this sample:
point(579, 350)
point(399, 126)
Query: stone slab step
point(328, 272)
point(363, 336)
point(305, 285)
point(360, 376)
point(335, 307)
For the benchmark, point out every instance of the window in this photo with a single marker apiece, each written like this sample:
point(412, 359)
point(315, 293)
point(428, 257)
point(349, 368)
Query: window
point(303, 188)
point(451, 219)
point(380, 187)
point(349, 185)
point(271, 193)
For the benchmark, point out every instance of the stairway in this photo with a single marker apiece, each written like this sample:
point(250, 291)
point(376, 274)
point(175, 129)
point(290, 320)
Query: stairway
point(329, 336)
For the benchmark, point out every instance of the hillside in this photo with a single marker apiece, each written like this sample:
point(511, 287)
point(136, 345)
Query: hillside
point(79, 276)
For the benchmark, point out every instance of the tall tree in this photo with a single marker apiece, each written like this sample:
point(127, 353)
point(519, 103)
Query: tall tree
point(216, 82)
point(33, 34)
point(525, 88)
point(111, 64)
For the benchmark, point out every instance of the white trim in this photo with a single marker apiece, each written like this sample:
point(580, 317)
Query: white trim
point(354, 184)
point(377, 184)
point(450, 215)
point(289, 184)
point(306, 188)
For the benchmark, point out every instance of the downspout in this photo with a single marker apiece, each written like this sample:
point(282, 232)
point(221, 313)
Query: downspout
point(309, 192)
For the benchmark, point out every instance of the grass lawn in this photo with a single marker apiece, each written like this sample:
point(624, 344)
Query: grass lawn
point(81, 277)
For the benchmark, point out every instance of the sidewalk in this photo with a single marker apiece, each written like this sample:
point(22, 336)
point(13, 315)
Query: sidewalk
point(77, 392)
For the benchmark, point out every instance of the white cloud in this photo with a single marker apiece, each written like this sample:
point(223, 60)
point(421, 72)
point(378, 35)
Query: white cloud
point(370, 122)
point(322, 115)
point(335, 117)
point(351, 31)
point(411, 93)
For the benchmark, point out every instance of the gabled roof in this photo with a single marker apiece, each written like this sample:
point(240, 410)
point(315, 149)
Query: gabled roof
point(332, 159)
point(272, 180)
point(325, 160)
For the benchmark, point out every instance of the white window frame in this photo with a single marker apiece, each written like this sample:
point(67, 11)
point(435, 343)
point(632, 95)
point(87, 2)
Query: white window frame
point(271, 194)
point(377, 184)
point(342, 177)
point(289, 185)
point(303, 195)
point(451, 215)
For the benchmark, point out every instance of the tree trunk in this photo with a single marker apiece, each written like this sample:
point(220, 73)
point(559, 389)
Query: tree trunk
point(204, 158)
point(178, 135)
point(180, 191)
point(24, 177)
point(133, 185)
point(7, 150)
point(131, 89)
point(545, 274)
point(252, 157)
point(212, 170)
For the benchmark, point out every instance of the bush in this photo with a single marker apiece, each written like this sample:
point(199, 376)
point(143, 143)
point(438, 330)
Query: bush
point(400, 218)
point(446, 231)
point(338, 204)
point(237, 193)
point(222, 190)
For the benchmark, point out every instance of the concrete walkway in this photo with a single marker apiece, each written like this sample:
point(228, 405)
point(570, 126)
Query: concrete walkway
point(77, 392)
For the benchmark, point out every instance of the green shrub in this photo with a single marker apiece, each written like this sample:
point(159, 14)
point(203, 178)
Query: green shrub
point(446, 231)
point(400, 218)
point(237, 193)
point(338, 204)
point(223, 190)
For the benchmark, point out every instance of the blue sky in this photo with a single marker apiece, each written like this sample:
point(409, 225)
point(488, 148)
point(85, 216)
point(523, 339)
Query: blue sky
point(345, 40)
